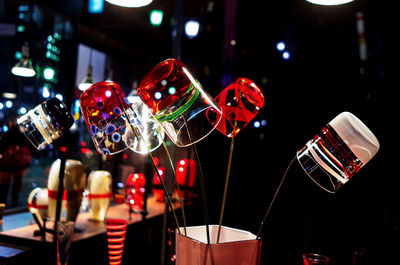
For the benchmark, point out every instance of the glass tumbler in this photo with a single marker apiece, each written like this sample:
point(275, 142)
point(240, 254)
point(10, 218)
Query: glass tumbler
point(179, 103)
point(341, 149)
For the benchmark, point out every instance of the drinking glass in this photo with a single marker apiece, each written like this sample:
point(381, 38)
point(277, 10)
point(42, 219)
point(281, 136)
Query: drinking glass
point(46, 122)
point(335, 154)
point(179, 103)
point(240, 103)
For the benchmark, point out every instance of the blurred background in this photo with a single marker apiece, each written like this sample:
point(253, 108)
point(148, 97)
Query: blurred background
point(311, 62)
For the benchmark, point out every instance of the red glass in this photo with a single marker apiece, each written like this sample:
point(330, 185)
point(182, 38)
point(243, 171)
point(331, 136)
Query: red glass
point(158, 191)
point(178, 102)
point(240, 103)
point(116, 231)
point(109, 117)
point(155, 87)
point(135, 188)
point(185, 172)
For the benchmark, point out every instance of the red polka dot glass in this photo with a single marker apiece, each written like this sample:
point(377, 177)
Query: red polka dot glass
point(179, 103)
point(240, 103)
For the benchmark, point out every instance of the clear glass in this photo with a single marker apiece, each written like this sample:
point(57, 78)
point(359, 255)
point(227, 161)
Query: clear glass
point(110, 118)
point(46, 122)
point(341, 149)
point(179, 103)
point(64, 233)
point(151, 130)
point(240, 102)
point(116, 230)
point(99, 194)
point(315, 259)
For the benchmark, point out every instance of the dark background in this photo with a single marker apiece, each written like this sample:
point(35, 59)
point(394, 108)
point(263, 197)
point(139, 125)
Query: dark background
point(323, 77)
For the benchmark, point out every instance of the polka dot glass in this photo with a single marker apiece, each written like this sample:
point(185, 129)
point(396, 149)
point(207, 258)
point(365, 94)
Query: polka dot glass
point(109, 117)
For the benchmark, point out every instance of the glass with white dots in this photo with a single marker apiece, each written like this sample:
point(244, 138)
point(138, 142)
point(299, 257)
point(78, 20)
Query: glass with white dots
point(112, 123)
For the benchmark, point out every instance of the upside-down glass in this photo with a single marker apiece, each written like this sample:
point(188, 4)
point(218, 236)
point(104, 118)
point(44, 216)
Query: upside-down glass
point(341, 149)
point(240, 103)
point(46, 122)
point(112, 123)
point(315, 259)
point(179, 103)
point(116, 230)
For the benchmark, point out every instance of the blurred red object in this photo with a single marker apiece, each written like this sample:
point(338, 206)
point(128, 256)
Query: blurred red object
point(135, 188)
point(158, 191)
point(186, 176)
point(116, 230)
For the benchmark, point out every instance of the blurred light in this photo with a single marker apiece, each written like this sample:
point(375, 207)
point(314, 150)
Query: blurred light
point(286, 55)
point(1, 106)
point(256, 124)
point(59, 96)
point(157, 95)
point(45, 92)
point(280, 46)
point(329, 2)
point(5, 128)
point(130, 3)
point(18, 55)
point(22, 110)
point(192, 28)
point(9, 95)
point(263, 122)
point(95, 6)
point(172, 90)
point(156, 17)
point(48, 73)
point(108, 93)
point(9, 104)
point(21, 28)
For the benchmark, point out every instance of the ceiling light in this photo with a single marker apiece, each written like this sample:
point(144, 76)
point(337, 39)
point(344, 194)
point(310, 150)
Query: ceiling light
point(24, 67)
point(88, 81)
point(329, 2)
point(130, 3)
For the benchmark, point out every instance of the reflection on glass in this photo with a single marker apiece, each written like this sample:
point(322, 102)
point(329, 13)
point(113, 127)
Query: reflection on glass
point(151, 130)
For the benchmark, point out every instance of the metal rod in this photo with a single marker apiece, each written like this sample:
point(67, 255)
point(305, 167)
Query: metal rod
point(274, 198)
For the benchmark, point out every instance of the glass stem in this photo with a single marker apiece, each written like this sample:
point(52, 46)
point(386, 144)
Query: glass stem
point(228, 170)
point(177, 186)
point(274, 198)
